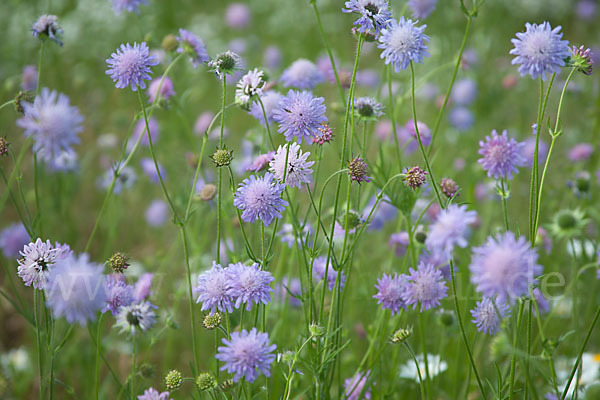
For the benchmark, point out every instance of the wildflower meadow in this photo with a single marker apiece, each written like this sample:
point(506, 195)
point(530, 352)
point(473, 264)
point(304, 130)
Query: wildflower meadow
point(300, 199)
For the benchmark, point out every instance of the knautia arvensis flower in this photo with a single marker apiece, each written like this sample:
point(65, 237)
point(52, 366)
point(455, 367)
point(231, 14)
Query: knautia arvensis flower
point(449, 187)
point(46, 27)
point(358, 169)
point(225, 64)
point(415, 177)
point(130, 66)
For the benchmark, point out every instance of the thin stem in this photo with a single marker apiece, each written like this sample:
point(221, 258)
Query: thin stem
point(97, 361)
point(38, 210)
point(219, 179)
point(412, 355)
point(38, 340)
point(393, 117)
point(133, 367)
point(424, 350)
point(504, 206)
point(190, 294)
point(513, 362)
point(40, 60)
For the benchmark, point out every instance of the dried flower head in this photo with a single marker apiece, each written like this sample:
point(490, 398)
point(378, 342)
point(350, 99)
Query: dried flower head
point(208, 192)
point(325, 135)
point(225, 64)
point(118, 262)
point(401, 335)
point(357, 170)
point(415, 177)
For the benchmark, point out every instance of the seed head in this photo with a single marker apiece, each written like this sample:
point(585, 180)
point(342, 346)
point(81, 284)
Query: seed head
point(212, 320)
point(208, 192)
point(325, 135)
point(357, 169)
point(173, 380)
point(169, 42)
point(415, 177)
point(401, 335)
point(118, 262)
point(449, 187)
point(222, 157)
point(3, 146)
point(206, 381)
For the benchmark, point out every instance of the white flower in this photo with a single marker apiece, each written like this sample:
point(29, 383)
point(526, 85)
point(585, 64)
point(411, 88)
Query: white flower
point(249, 86)
point(298, 168)
point(435, 363)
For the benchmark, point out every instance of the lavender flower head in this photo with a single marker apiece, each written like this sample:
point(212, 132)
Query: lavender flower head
point(261, 162)
point(47, 26)
point(402, 42)
point(157, 213)
point(302, 74)
point(488, 315)
point(136, 318)
point(390, 289)
point(166, 89)
point(249, 86)
point(421, 9)
point(580, 152)
point(142, 288)
point(260, 198)
point(451, 228)
point(248, 285)
point(212, 290)
point(75, 289)
point(12, 239)
point(461, 118)
point(399, 243)
point(118, 294)
point(29, 78)
point(53, 123)
point(128, 5)
point(193, 46)
point(367, 108)
point(38, 259)
point(375, 15)
point(424, 286)
point(246, 355)
point(501, 155)
point(319, 266)
point(539, 50)
point(153, 394)
point(298, 166)
point(130, 66)
point(237, 15)
point(504, 267)
point(300, 115)
point(270, 100)
point(355, 387)
point(464, 92)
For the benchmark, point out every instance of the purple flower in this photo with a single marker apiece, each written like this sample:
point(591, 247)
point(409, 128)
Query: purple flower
point(125, 180)
point(439, 260)
point(136, 318)
point(542, 302)
point(29, 78)
point(38, 259)
point(153, 394)
point(237, 15)
point(390, 289)
point(399, 243)
point(539, 50)
point(461, 118)
point(272, 57)
point(367, 108)
point(140, 130)
point(300, 115)
point(528, 151)
point(260, 198)
point(298, 167)
point(142, 287)
point(424, 133)
point(192, 45)
point(118, 294)
point(130, 66)
point(249, 87)
point(157, 213)
point(424, 286)
point(202, 123)
point(261, 162)
point(501, 155)
point(149, 169)
point(355, 387)
point(504, 267)
point(270, 100)
point(384, 213)
point(581, 152)
point(488, 315)
point(75, 289)
point(128, 5)
point(246, 355)
point(248, 284)
point(402, 42)
point(450, 229)
point(586, 9)
point(374, 14)
point(464, 92)
point(166, 90)
point(421, 9)
point(212, 290)
point(290, 289)
point(302, 74)
point(53, 123)
point(47, 25)
point(12, 239)
point(319, 267)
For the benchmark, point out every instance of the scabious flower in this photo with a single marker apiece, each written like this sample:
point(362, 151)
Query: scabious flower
point(488, 315)
point(225, 64)
point(75, 289)
point(580, 152)
point(421, 9)
point(246, 355)
point(367, 109)
point(539, 50)
point(248, 285)
point(399, 243)
point(567, 224)
point(142, 287)
point(390, 289)
point(424, 286)
point(325, 135)
point(298, 166)
point(193, 46)
point(504, 267)
point(355, 387)
point(153, 394)
point(501, 155)
point(166, 89)
point(290, 289)
point(260, 198)
point(402, 42)
point(212, 290)
point(237, 15)
point(270, 100)
point(357, 170)
point(375, 15)
point(450, 229)
point(47, 26)
point(464, 92)
point(319, 267)
point(38, 259)
point(127, 5)
point(136, 318)
point(449, 187)
point(415, 177)
point(302, 74)
point(118, 294)
point(249, 86)
point(29, 78)
point(261, 162)
point(300, 115)
point(53, 123)
point(581, 58)
point(12, 239)
point(130, 66)
point(461, 118)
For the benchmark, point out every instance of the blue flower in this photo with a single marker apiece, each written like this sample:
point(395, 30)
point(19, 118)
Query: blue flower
point(260, 198)
point(12, 240)
point(246, 355)
point(425, 286)
point(488, 315)
point(390, 289)
point(375, 15)
point(130, 66)
point(270, 100)
point(539, 50)
point(450, 229)
point(192, 45)
point(302, 74)
point(402, 42)
point(421, 9)
point(37, 261)
point(153, 394)
point(501, 155)
point(53, 123)
point(47, 25)
point(319, 267)
point(119, 294)
point(136, 317)
point(248, 284)
point(127, 5)
point(212, 290)
point(300, 115)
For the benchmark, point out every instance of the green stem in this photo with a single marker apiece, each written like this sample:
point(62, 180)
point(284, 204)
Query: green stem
point(98, 345)
point(133, 367)
point(412, 355)
point(38, 341)
point(504, 206)
point(513, 362)
point(424, 350)
point(219, 179)
point(393, 117)
point(40, 60)
point(190, 295)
